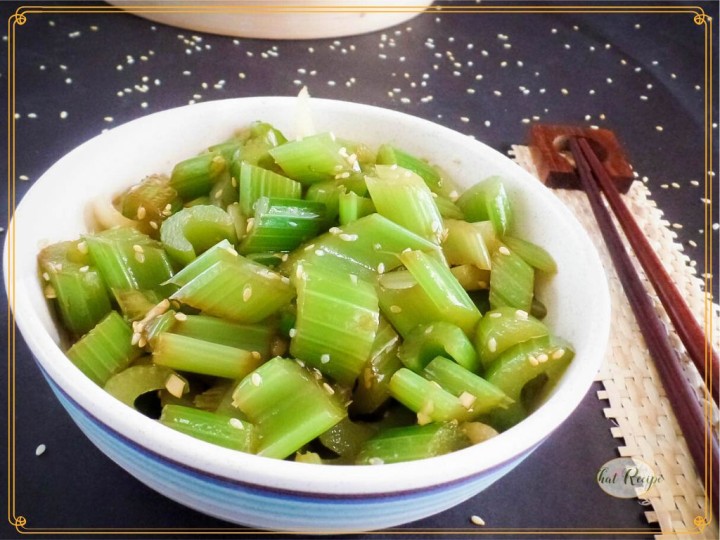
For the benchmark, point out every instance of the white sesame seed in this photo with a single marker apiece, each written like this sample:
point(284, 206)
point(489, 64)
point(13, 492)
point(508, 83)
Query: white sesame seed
point(247, 293)
point(477, 520)
point(492, 345)
point(292, 332)
point(325, 358)
point(558, 354)
point(236, 423)
point(140, 257)
point(533, 361)
point(395, 309)
point(256, 379)
point(141, 212)
point(40, 450)
point(495, 315)
point(84, 269)
point(504, 250)
point(180, 317)
point(521, 315)
point(375, 461)
point(542, 358)
point(381, 268)
point(328, 388)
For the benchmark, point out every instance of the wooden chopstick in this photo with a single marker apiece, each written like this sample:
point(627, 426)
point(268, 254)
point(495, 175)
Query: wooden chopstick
point(695, 426)
point(688, 329)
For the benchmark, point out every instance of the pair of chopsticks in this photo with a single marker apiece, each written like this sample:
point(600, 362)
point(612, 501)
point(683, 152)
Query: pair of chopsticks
point(695, 425)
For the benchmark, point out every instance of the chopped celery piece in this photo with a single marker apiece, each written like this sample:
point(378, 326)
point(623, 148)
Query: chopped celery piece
point(157, 325)
point(289, 406)
point(238, 289)
point(134, 303)
point(128, 259)
point(470, 277)
point(104, 350)
point(404, 303)
point(502, 328)
point(365, 247)
point(317, 158)
point(269, 259)
point(488, 200)
point(134, 381)
point(543, 359)
point(402, 196)
point(440, 338)
point(195, 355)
point(222, 251)
point(390, 155)
point(337, 319)
point(256, 182)
point(80, 292)
point(490, 237)
point(448, 209)
point(327, 193)
point(352, 207)
point(151, 201)
point(512, 281)
point(465, 245)
point(443, 290)
point(372, 388)
point(426, 398)
point(255, 151)
point(230, 147)
point(195, 176)
point(224, 191)
point(251, 337)
point(281, 224)
point(211, 427)
point(410, 443)
point(211, 398)
point(534, 255)
point(194, 230)
point(478, 395)
point(239, 219)
point(346, 437)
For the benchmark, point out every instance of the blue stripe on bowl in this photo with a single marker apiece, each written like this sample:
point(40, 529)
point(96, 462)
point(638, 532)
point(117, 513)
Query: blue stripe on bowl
point(267, 508)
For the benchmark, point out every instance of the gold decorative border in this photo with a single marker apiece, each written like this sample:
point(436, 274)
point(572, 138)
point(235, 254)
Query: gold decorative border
point(19, 18)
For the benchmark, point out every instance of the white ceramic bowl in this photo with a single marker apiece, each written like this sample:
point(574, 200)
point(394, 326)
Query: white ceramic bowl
point(275, 494)
point(278, 19)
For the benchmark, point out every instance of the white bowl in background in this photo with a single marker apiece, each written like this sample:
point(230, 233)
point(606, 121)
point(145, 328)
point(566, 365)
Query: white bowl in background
point(269, 493)
point(274, 19)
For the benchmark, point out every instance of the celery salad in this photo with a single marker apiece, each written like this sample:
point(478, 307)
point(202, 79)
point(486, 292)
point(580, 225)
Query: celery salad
point(315, 300)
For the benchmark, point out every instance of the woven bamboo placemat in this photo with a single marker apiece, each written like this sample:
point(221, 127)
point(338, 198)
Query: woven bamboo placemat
point(636, 400)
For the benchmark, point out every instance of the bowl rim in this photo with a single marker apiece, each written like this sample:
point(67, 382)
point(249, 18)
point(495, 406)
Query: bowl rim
point(292, 476)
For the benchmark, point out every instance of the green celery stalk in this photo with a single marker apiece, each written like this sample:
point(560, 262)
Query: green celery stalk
point(410, 443)
point(512, 281)
point(104, 350)
point(477, 395)
point(448, 209)
point(194, 230)
point(128, 259)
point(490, 237)
point(239, 219)
point(222, 251)
point(256, 182)
point(224, 191)
point(390, 155)
point(534, 255)
point(465, 245)
point(442, 289)
point(157, 325)
point(80, 293)
point(134, 303)
point(282, 224)
point(211, 427)
point(402, 196)
point(352, 207)
point(544, 359)
point(372, 389)
point(488, 200)
point(365, 247)
point(195, 176)
point(405, 303)
point(255, 151)
point(151, 201)
point(237, 289)
point(337, 320)
point(439, 338)
point(317, 158)
point(346, 438)
point(327, 193)
point(426, 398)
point(289, 406)
point(205, 357)
point(250, 337)
point(470, 277)
point(134, 381)
point(502, 328)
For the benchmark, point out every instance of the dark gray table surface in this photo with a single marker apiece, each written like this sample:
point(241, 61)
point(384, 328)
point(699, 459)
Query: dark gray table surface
point(487, 75)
